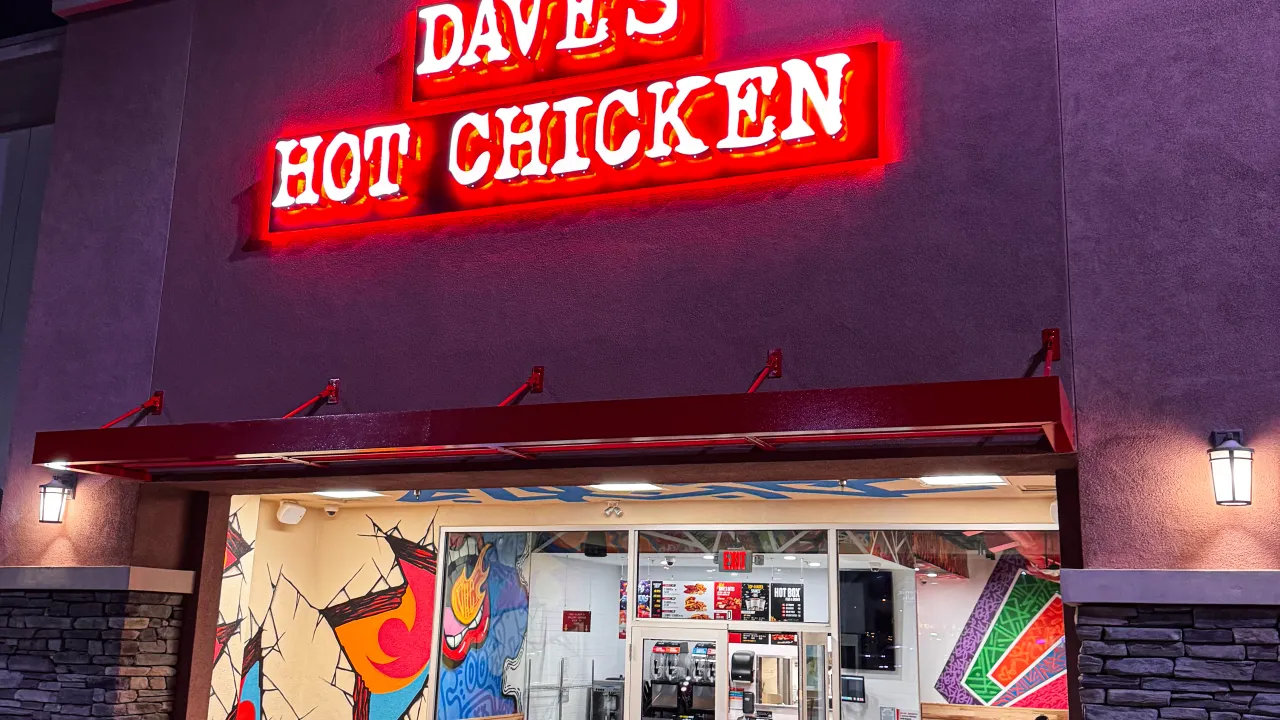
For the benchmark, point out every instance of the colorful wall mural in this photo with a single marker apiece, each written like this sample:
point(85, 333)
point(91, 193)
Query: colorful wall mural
point(776, 490)
point(1012, 651)
point(230, 646)
point(386, 635)
point(486, 614)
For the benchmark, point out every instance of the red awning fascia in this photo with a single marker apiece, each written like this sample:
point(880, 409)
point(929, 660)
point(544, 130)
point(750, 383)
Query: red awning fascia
point(1034, 410)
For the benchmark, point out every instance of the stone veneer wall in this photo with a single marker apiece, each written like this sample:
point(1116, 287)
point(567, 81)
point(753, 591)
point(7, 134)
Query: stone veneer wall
point(1181, 663)
point(77, 655)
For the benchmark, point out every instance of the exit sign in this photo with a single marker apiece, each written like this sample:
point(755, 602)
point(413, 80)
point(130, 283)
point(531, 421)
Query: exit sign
point(735, 561)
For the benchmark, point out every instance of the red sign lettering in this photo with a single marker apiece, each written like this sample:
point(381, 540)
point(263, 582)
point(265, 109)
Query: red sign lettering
point(470, 46)
point(818, 110)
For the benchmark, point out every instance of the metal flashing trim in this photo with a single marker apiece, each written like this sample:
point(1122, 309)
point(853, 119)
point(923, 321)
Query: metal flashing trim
point(1170, 587)
point(107, 578)
point(67, 8)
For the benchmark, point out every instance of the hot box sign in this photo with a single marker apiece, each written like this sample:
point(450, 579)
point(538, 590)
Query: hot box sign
point(674, 128)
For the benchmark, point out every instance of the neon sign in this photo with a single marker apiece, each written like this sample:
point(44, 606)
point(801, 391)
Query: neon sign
point(469, 46)
point(801, 112)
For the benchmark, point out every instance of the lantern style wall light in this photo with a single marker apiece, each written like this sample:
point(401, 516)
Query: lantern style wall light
point(54, 496)
point(1231, 466)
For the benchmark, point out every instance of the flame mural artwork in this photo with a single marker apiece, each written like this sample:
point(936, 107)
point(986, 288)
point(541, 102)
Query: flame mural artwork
point(485, 619)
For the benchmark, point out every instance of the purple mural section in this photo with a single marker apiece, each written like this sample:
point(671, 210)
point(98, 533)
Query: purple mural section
point(951, 682)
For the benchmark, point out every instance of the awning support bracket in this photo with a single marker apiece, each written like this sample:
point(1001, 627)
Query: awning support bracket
point(532, 385)
point(772, 369)
point(1050, 352)
point(153, 406)
point(327, 396)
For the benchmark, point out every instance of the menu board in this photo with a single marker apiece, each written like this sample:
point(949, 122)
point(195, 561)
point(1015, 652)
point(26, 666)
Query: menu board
point(786, 602)
point(681, 600)
point(755, 602)
point(728, 601)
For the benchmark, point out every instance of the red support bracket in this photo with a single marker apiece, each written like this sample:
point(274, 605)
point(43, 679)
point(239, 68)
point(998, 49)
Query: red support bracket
point(153, 406)
point(1051, 343)
point(532, 385)
point(772, 369)
point(327, 396)
point(1050, 351)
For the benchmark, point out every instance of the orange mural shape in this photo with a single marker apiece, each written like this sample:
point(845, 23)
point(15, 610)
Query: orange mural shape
point(1039, 638)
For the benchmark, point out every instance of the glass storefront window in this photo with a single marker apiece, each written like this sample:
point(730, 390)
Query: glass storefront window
point(738, 575)
point(533, 624)
point(949, 617)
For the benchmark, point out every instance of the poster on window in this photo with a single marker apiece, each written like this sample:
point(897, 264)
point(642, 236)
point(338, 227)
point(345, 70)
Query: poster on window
point(622, 611)
point(695, 602)
point(786, 602)
point(728, 601)
point(755, 602)
point(642, 600)
point(656, 598)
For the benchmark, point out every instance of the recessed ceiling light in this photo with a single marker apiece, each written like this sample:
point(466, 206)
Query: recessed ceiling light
point(963, 480)
point(788, 557)
point(708, 557)
point(933, 575)
point(815, 564)
point(347, 494)
point(626, 487)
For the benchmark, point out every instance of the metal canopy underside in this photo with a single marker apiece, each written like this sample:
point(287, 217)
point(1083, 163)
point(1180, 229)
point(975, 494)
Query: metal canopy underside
point(1016, 425)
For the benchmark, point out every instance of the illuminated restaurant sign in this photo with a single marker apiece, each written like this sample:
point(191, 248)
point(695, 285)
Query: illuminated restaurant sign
point(703, 126)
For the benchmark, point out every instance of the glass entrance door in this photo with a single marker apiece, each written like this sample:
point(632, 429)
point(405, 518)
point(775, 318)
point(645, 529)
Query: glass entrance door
point(678, 673)
point(815, 676)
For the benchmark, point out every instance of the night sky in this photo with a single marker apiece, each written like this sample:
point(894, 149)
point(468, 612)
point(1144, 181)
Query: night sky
point(19, 17)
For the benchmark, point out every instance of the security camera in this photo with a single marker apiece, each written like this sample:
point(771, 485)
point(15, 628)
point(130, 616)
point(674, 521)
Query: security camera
point(669, 562)
point(330, 510)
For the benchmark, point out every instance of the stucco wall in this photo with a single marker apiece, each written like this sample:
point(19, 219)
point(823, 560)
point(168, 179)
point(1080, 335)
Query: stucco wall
point(1171, 165)
point(944, 266)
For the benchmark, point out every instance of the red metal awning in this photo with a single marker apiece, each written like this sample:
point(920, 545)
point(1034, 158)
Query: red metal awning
point(987, 418)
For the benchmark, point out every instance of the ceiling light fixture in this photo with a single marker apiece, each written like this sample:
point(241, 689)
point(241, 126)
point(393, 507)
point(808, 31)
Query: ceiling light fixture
point(347, 494)
point(963, 481)
point(815, 564)
point(788, 557)
point(625, 487)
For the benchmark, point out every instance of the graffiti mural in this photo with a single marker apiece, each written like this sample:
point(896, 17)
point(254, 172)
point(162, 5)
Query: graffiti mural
point(773, 490)
point(486, 614)
point(254, 684)
point(386, 635)
point(230, 646)
point(1012, 652)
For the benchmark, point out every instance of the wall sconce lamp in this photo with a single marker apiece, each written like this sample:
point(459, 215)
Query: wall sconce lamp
point(54, 495)
point(1231, 465)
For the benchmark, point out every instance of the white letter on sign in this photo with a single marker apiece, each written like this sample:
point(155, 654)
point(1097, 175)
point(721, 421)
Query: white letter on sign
point(525, 27)
point(670, 11)
point(573, 161)
point(481, 165)
point(582, 9)
point(384, 186)
point(630, 101)
point(486, 33)
point(328, 179)
point(289, 169)
point(511, 139)
point(748, 105)
point(687, 144)
point(430, 16)
point(827, 105)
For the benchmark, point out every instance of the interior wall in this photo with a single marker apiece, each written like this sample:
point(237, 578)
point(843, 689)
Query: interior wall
point(944, 609)
point(322, 591)
point(897, 689)
point(571, 582)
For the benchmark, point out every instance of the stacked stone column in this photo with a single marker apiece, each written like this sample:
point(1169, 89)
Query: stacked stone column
point(83, 655)
point(1179, 663)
